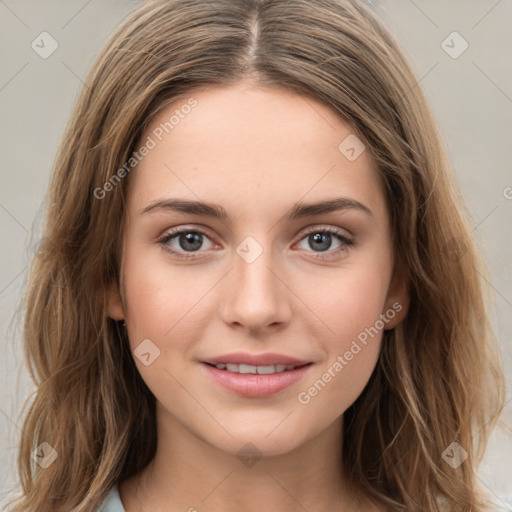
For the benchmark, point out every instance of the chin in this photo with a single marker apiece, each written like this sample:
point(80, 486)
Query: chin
point(252, 443)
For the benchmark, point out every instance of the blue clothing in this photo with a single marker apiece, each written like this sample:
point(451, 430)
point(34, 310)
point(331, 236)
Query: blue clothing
point(112, 502)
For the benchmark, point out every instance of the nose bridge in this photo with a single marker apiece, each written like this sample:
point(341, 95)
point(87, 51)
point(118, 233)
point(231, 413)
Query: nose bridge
point(255, 297)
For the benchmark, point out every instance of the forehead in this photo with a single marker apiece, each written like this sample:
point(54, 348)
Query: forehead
point(253, 149)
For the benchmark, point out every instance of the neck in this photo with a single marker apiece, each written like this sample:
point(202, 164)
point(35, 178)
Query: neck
point(190, 474)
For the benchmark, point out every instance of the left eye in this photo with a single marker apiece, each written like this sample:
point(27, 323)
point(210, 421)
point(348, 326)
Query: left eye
point(322, 239)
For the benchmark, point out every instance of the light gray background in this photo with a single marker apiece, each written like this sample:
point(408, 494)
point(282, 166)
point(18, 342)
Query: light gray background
point(472, 100)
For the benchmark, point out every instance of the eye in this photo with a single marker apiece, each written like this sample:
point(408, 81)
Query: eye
point(183, 242)
point(321, 240)
point(180, 241)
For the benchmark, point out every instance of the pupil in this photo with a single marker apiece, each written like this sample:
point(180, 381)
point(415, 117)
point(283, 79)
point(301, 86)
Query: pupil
point(323, 238)
point(190, 238)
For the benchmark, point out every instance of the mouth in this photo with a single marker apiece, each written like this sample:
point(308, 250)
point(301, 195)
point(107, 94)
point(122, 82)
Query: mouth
point(254, 381)
point(256, 370)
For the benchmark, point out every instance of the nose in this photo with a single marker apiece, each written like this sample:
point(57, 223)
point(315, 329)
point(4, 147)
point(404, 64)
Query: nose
point(256, 296)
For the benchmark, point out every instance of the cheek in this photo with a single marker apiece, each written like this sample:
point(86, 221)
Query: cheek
point(351, 354)
point(340, 382)
point(347, 300)
point(349, 305)
point(354, 317)
point(162, 307)
point(165, 303)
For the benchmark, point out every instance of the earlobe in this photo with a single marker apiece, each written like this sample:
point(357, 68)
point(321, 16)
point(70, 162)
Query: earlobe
point(397, 300)
point(115, 308)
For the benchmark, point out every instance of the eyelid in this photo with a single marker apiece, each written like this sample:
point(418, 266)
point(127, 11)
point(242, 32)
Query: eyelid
point(177, 230)
point(347, 240)
point(205, 231)
point(326, 227)
point(185, 228)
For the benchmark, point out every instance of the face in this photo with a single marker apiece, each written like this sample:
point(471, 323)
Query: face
point(259, 279)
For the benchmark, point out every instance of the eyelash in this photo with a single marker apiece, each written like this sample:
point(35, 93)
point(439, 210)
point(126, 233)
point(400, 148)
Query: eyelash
point(347, 242)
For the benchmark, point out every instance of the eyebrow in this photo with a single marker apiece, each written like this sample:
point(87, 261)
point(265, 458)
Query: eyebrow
point(216, 211)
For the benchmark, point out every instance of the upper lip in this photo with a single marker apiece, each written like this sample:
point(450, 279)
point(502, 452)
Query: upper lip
point(267, 359)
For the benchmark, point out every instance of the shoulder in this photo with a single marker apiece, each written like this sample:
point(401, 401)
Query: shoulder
point(112, 502)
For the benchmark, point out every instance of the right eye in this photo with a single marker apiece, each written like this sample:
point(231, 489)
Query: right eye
point(184, 241)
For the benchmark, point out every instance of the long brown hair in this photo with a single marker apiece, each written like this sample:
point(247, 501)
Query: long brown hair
point(439, 378)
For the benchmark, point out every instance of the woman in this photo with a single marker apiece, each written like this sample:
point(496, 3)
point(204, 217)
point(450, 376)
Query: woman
point(256, 288)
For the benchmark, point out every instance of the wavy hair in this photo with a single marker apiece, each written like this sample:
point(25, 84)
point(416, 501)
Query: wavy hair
point(439, 377)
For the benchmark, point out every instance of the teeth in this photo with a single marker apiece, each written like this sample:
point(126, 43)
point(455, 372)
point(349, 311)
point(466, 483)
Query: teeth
point(246, 368)
point(249, 368)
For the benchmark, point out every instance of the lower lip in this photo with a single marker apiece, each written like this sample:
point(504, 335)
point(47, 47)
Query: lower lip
point(255, 385)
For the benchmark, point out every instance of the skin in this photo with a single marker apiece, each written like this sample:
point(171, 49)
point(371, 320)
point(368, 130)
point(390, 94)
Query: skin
point(256, 152)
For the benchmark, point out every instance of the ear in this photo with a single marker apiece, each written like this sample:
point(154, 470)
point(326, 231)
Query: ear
point(115, 307)
point(397, 299)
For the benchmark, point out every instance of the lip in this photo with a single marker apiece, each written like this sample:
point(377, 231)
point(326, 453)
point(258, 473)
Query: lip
point(266, 359)
point(255, 385)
